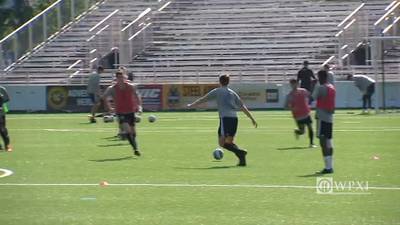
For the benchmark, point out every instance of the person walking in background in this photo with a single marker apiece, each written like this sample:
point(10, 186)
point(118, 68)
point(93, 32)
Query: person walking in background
point(367, 86)
point(127, 102)
point(4, 98)
point(325, 94)
point(228, 102)
point(297, 101)
point(94, 92)
point(306, 77)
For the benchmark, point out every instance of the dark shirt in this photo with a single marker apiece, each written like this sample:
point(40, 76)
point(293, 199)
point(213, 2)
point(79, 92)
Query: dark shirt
point(305, 76)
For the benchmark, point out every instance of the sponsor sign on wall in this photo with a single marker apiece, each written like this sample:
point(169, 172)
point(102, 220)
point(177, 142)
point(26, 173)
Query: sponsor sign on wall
point(272, 95)
point(151, 96)
point(68, 99)
point(76, 99)
point(177, 96)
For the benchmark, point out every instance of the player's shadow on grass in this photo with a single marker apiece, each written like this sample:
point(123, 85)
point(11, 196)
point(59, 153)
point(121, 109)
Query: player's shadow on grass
point(112, 138)
point(312, 175)
point(112, 145)
point(292, 148)
point(205, 168)
point(112, 160)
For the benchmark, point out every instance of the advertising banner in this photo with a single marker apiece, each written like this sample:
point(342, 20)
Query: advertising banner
point(260, 96)
point(253, 95)
point(177, 96)
point(68, 99)
point(76, 99)
point(151, 96)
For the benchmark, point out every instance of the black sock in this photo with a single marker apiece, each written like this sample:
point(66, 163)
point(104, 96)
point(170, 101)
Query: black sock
point(233, 148)
point(311, 136)
point(4, 135)
point(132, 141)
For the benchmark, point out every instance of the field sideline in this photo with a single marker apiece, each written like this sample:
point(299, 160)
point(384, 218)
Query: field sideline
point(59, 161)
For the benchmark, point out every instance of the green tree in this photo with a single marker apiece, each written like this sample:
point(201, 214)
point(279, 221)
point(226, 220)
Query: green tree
point(12, 18)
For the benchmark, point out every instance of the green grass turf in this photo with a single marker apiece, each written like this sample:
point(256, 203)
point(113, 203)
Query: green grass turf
point(177, 149)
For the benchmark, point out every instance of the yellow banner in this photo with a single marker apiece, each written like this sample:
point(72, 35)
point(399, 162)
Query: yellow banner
point(177, 96)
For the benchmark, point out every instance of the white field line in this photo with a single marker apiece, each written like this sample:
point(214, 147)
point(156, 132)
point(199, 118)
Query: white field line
point(185, 129)
point(5, 173)
point(190, 116)
point(187, 185)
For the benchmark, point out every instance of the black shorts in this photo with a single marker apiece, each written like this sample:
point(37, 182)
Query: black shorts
point(227, 126)
point(305, 121)
point(127, 118)
point(371, 89)
point(325, 129)
point(2, 120)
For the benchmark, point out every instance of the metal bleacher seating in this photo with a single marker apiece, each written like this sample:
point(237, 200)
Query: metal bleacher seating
point(194, 41)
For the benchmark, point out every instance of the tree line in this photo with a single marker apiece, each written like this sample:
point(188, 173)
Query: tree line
point(21, 11)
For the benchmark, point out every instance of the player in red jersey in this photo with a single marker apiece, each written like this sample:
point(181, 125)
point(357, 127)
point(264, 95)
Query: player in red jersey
point(127, 101)
point(297, 101)
point(325, 94)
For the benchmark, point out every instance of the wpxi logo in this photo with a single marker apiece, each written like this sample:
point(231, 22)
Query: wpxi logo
point(326, 185)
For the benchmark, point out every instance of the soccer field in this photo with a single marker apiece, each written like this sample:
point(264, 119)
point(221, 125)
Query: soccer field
point(59, 161)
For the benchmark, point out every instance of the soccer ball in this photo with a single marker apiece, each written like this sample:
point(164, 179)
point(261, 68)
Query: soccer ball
point(138, 118)
point(218, 154)
point(152, 118)
point(108, 119)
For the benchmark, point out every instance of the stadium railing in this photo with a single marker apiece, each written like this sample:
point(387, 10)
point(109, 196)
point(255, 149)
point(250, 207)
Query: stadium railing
point(125, 38)
point(353, 32)
point(385, 45)
point(37, 31)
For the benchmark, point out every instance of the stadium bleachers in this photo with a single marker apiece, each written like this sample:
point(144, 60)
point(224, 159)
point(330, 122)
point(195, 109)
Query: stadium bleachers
point(248, 39)
point(193, 41)
point(49, 64)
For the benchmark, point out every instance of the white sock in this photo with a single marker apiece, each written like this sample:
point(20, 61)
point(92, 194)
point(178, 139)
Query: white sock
point(328, 162)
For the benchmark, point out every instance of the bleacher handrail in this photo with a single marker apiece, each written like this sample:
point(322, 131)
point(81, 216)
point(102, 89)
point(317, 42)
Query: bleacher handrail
point(141, 15)
point(351, 14)
point(353, 31)
point(104, 20)
point(396, 6)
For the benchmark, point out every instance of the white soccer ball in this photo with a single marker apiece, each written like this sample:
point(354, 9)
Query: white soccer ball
point(138, 118)
point(218, 154)
point(152, 118)
point(108, 119)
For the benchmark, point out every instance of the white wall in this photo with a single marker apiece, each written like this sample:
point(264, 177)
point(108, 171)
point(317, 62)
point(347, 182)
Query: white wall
point(259, 95)
point(27, 98)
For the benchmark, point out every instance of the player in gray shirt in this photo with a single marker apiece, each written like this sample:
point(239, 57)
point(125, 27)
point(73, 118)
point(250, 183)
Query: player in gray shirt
point(367, 86)
point(228, 103)
point(94, 92)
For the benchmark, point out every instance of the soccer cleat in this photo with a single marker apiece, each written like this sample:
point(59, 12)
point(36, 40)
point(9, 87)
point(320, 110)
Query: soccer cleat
point(9, 148)
point(312, 146)
point(325, 171)
point(137, 153)
point(242, 158)
point(92, 119)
